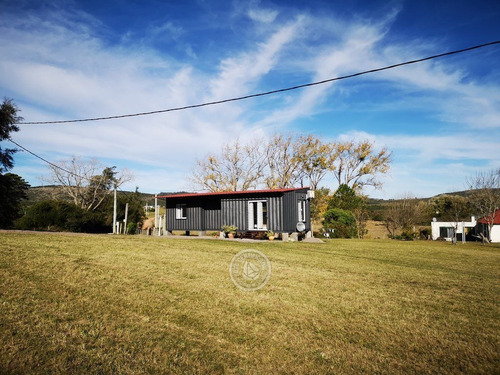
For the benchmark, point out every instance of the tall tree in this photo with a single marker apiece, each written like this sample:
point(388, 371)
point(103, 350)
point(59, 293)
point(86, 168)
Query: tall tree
point(315, 158)
point(86, 182)
point(346, 198)
point(284, 162)
point(358, 164)
point(12, 187)
point(319, 204)
point(8, 119)
point(485, 195)
point(13, 190)
point(238, 167)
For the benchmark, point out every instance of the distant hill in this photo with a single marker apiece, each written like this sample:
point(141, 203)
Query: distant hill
point(41, 193)
point(378, 207)
point(38, 193)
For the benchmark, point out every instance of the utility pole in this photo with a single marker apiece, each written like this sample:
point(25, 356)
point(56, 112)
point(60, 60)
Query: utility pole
point(156, 211)
point(125, 220)
point(114, 213)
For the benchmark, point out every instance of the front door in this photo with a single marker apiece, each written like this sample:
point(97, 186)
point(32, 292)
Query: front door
point(257, 215)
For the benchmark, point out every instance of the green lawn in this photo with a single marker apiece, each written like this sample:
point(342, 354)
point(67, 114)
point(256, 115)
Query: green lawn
point(132, 305)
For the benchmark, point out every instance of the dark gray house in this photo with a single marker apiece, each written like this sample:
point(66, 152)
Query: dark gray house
point(282, 210)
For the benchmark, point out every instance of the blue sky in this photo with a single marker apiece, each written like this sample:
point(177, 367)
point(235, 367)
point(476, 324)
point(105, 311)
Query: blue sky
point(79, 59)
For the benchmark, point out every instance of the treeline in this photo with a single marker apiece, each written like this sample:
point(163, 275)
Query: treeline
point(344, 212)
point(283, 161)
point(60, 215)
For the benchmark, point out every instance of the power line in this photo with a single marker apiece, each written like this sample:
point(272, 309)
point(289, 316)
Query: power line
point(267, 92)
point(46, 161)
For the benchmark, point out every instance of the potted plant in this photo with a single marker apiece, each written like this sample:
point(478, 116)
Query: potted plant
point(270, 235)
point(230, 230)
point(214, 234)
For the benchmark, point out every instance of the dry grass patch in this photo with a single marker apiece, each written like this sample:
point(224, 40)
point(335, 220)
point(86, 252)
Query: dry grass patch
point(112, 304)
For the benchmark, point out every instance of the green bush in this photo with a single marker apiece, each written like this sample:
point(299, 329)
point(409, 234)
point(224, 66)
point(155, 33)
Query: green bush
point(131, 228)
point(342, 222)
point(55, 215)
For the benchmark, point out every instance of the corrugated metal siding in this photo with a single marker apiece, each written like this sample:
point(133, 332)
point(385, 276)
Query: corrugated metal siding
point(290, 214)
point(194, 216)
point(275, 214)
point(291, 211)
point(193, 221)
point(235, 212)
point(211, 213)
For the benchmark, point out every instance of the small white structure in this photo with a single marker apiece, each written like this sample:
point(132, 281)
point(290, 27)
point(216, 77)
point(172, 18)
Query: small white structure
point(446, 229)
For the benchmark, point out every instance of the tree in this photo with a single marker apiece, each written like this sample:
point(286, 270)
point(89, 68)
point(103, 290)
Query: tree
point(136, 213)
point(402, 216)
point(62, 216)
point(238, 167)
point(13, 190)
point(452, 208)
point(83, 182)
point(485, 195)
point(8, 119)
point(341, 222)
point(12, 187)
point(284, 162)
point(358, 164)
point(347, 199)
point(319, 204)
point(315, 158)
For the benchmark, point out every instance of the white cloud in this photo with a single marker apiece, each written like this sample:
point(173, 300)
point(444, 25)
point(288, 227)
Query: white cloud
point(431, 164)
point(238, 74)
point(58, 66)
point(262, 15)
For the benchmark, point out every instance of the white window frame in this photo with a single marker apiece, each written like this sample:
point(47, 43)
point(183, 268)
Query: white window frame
point(260, 215)
point(181, 211)
point(302, 210)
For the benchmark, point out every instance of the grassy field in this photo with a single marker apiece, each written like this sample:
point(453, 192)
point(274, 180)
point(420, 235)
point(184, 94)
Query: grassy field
point(132, 305)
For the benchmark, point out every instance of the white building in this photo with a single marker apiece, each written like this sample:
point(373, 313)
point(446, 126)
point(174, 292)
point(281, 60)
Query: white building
point(446, 229)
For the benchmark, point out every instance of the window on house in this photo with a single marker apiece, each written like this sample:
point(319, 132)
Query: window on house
point(446, 232)
point(257, 215)
point(302, 210)
point(180, 211)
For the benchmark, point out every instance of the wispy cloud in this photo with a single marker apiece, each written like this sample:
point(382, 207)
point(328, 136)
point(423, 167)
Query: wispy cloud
point(56, 65)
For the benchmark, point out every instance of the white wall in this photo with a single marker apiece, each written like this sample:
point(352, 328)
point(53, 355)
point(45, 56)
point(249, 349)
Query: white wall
point(495, 233)
point(436, 225)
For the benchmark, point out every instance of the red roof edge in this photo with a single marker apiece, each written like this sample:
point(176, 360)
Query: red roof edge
point(230, 193)
point(496, 218)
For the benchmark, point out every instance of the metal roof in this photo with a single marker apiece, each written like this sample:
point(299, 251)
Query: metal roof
point(245, 192)
point(496, 218)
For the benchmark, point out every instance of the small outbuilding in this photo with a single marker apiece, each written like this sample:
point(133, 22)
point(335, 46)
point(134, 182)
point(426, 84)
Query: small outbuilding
point(446, 230)
point(284, 211)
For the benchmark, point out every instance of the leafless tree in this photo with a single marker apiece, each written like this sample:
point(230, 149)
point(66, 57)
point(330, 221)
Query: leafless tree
point(315, 158)
point(485, 195)
point(358, 164)
point(403, 214)
point(86, 182)
point(283, 162)
point(238, 167)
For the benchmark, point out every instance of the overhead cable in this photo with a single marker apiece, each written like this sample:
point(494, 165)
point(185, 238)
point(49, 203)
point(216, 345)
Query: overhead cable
point(264, 93)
